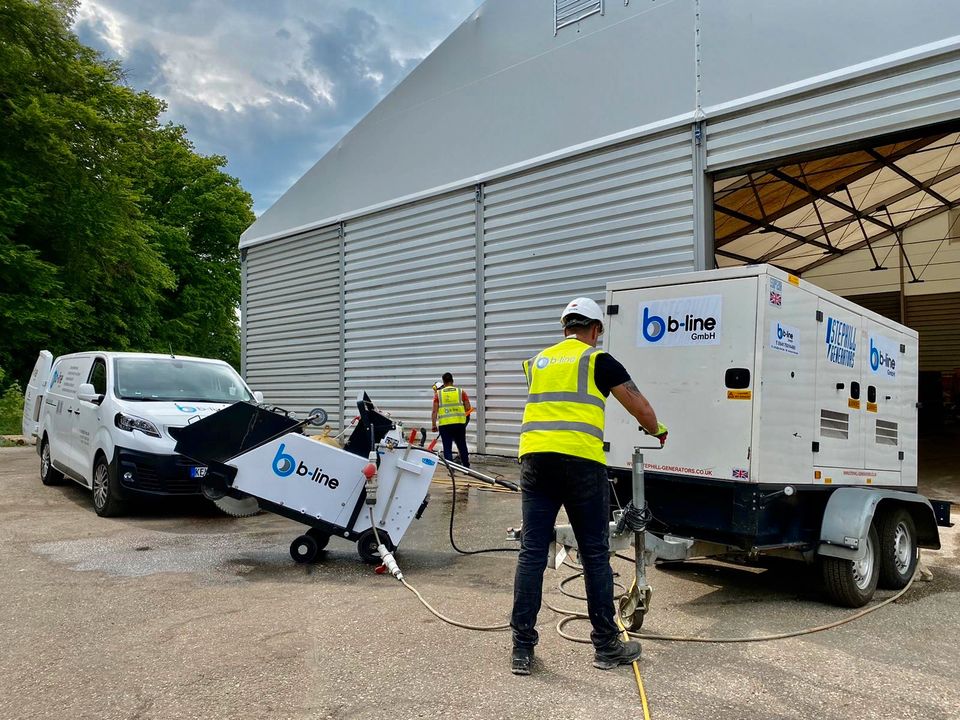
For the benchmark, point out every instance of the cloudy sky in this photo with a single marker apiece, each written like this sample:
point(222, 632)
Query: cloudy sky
point(270, 84)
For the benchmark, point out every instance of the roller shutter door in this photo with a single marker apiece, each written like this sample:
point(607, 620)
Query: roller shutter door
point(410, 305)
point(291, 320)
point(921, 94)
point(566, 230)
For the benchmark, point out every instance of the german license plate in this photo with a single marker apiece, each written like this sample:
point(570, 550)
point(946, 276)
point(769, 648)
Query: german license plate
point(198, 472)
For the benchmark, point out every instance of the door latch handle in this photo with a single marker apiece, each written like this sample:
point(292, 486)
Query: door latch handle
point(840, 386)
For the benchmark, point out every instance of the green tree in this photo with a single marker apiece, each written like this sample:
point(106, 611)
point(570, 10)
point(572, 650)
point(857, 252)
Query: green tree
point(114, 233)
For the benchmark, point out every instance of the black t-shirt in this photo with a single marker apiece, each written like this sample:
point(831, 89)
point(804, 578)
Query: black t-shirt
point(608, 373)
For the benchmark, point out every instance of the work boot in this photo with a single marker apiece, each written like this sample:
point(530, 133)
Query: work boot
point(623, 653)
point(521, 661)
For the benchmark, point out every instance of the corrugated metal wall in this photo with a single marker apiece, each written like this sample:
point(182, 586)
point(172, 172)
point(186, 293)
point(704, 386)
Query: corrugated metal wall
point(566, 230)
point(292, 321)
point(886, 304)
point(919, 95)
point(410, 304)
point(937, 319)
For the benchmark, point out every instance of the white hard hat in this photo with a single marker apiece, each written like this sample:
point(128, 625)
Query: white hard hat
point(583, 306)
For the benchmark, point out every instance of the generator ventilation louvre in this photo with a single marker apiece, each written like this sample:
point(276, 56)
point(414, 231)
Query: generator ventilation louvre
point(887, 433)
point(834, 424)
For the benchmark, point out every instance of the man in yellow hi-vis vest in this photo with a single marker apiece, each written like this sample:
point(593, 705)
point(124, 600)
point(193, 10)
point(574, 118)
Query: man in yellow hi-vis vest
point(451, 405)
point(563, 465)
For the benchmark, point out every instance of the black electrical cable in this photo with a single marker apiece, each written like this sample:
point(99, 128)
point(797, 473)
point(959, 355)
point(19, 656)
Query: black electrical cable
point(453, 509)
point(634, 518)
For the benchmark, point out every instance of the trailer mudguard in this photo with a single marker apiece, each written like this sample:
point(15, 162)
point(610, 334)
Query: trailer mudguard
point(849, 512)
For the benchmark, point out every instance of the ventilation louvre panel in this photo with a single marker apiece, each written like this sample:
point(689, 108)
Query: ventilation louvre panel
point(834, 424)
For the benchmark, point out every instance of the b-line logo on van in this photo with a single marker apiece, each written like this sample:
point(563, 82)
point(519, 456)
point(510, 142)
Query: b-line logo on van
point(883, 356)
point(680, 321)
point(841, 340)
point(285, 464)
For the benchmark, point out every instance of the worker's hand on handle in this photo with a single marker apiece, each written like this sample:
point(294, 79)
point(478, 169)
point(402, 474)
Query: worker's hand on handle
point(661, 433)
point(434, 428)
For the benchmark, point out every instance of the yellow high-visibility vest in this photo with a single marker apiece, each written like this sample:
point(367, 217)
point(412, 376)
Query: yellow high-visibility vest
point(450, 410)
point(565, 409)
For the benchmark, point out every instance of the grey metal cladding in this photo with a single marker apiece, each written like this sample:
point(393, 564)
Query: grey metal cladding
point(410, 305)
point(291, 338)
point(563, 231)
point(921, 94)
point(937, 319)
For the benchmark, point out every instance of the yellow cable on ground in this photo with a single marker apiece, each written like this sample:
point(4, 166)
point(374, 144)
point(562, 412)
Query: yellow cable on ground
point(636, 672)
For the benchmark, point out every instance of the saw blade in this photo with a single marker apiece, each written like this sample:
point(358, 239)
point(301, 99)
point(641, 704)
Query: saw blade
point(244, 507)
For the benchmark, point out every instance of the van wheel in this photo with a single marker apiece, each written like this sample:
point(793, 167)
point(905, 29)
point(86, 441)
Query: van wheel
point(48, 474)
point(899, 552)
point(852, 583)
point(106, 494)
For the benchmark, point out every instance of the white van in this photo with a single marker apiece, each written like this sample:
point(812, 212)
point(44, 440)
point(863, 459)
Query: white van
point(103, 419)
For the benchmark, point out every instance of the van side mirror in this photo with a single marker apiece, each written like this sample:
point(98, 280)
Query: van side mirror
point(86, 393)
point(258, 397)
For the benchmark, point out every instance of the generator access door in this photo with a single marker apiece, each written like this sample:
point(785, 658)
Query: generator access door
point(884, 399)
point(839, 391)
point(691, 350)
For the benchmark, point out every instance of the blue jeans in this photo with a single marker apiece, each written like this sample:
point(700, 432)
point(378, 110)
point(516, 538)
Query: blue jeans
point(549, 481)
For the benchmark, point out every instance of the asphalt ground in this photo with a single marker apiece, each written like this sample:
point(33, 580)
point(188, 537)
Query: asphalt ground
point(179, 612)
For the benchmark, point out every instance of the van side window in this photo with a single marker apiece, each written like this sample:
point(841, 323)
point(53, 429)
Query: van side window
point(98, 376)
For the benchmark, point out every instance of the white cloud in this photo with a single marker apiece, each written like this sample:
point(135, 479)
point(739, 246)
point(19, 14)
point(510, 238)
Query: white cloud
point(270, 85)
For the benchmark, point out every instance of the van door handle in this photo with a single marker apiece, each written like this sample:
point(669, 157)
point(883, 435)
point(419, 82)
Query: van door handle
point(840, 386)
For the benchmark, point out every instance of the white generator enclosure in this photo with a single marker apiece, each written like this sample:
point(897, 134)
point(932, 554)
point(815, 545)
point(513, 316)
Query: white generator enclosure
point(775, 391)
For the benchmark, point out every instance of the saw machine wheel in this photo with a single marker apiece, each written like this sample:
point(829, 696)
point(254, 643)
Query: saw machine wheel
point(367, 546)
point(319, 537)
point(304, 549)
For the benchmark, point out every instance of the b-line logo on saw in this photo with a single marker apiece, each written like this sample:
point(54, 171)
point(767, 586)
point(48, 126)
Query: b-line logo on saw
point(284, 465)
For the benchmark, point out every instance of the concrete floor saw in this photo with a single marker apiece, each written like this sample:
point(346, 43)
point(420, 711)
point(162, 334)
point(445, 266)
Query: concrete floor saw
point(257, 452)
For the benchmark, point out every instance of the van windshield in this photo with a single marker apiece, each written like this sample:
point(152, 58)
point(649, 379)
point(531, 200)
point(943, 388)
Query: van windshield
point(174, 379)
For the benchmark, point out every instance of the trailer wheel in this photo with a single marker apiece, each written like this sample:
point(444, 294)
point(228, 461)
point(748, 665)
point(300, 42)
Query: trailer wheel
point(899, 552)
point(319, 537)
point(367, 545)
point(49, 475)
point(304, 549)
point(851, 583)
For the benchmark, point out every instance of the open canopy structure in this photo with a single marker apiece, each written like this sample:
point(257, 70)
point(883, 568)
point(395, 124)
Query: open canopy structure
point(809, 210)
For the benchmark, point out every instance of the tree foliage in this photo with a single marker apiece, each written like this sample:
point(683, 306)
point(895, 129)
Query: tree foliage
point(114, 232)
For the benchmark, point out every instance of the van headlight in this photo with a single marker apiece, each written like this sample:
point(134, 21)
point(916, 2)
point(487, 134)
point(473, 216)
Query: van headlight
point(132, 422)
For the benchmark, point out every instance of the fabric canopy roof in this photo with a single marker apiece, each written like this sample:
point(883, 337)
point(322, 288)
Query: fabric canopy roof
point(801, 214)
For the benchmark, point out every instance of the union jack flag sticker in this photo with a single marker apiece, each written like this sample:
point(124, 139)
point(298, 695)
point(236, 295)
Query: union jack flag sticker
point(741, 474)
point(776, 299)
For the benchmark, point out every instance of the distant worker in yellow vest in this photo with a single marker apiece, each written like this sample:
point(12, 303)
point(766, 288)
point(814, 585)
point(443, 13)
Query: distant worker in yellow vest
point(563, 465)
point(450, 408)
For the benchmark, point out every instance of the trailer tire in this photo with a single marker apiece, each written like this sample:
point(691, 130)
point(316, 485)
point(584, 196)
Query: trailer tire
point(852, 583)
point(303, 549)
point(899, 552)
point(49, 475)
point(320, 537)
point(367, 546)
